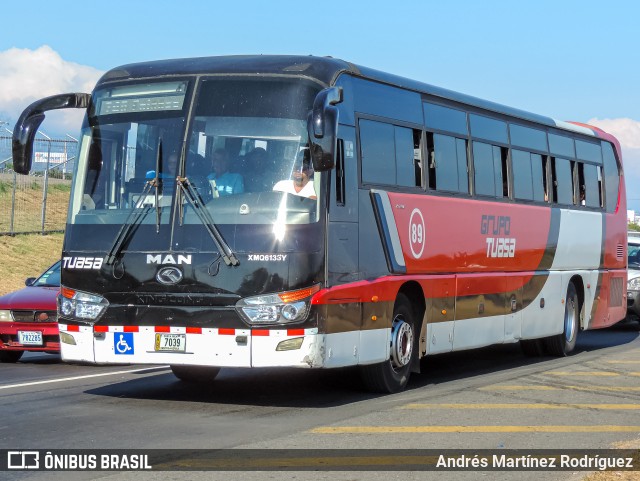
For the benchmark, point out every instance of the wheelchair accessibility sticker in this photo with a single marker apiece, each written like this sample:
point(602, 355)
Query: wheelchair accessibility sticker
point(123, 343)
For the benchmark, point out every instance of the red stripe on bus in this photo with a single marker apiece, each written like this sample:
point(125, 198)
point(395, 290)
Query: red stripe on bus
point(130, 329)
point(385, 289)
point(100, 328)
point(295, 332)
point(72, 328)
point(194, 330)
point(260, 332)
point(226, 332)
point(163, 329)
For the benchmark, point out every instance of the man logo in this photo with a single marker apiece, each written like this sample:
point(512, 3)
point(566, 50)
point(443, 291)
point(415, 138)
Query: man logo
point(169, 275)
point(168, 259)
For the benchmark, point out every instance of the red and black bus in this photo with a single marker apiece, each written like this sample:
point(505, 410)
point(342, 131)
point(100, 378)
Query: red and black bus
point(256, 211)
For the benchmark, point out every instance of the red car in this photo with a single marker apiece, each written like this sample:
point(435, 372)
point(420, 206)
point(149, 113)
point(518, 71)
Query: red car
point(28, 317)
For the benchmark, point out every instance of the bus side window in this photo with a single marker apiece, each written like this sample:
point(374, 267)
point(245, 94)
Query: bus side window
point(418, 161)
point(611, 177)
point(546, 176)
point(522, 175)
point(592, 185)
point(408, 157)
point(431, 161)
point(377, 151)
point(580, 187)
point(391, 154)
point(600, 186)
point(340, 184)
point(448, 165)
point(489, 167)
point(501, 158)
point(537, 171)
point(562, 181)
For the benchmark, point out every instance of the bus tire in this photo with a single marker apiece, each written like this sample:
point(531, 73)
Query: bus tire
point(195, 374)
point(562, 344)
point(532, 347)
point(10, 356)
point(392, 375)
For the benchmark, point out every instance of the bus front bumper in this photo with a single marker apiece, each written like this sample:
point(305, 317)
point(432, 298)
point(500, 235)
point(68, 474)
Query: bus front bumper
point(192, 346)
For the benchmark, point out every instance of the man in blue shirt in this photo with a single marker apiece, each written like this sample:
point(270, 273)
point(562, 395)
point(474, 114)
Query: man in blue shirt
point(222, 181)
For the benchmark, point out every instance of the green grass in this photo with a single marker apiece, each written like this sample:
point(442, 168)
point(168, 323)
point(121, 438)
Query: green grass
point(27, 216)
point(25, 256)
point(59, 188)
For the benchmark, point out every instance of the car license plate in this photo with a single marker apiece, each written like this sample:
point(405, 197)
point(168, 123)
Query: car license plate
point(171, 342)
point(30, 338)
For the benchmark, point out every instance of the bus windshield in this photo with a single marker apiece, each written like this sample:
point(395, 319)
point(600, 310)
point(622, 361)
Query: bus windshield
point(244, 151)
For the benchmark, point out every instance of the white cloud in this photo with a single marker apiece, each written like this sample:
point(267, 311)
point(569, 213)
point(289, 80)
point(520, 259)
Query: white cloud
point(28, 75)
point(627, 131)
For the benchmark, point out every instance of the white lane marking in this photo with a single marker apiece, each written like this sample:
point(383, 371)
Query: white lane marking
point(75, 378)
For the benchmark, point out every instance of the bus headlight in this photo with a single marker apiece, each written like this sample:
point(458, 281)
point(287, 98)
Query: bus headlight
point(80, 305)
point(281, 308)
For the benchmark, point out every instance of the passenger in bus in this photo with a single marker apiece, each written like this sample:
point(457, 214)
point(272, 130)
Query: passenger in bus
point(170, 170)
point(222, 181)
point(301, 175)
point(256, 168)
point(196, 171)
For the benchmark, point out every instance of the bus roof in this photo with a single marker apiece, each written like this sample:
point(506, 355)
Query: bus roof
point(324, 70)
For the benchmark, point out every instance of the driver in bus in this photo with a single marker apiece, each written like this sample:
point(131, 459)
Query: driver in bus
point(301, 175)
point(222, 181)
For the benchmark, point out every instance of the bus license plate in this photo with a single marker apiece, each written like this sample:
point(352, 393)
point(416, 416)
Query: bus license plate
point(171, 342)
point(30, 338)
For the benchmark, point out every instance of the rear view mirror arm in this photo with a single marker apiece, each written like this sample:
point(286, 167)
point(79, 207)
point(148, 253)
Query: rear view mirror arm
point(30, 120)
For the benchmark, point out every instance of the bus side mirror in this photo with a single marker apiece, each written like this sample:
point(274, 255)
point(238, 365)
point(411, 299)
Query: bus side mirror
point(27, 125)
point(322, 126)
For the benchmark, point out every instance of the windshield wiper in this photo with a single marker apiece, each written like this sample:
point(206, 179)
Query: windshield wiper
point(156, 184)
point(136, 214)
point(193, 197)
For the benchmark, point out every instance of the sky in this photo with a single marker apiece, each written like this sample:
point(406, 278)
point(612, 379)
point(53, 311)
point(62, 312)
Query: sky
point(576, 60)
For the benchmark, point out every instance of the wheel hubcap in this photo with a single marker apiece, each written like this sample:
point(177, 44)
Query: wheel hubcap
point(401, 343)
point(570, 320)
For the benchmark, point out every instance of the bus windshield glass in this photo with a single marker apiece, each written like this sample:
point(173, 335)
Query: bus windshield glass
point(244, 152)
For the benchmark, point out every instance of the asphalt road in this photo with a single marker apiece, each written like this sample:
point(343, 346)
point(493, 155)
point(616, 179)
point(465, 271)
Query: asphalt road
point(493, 398)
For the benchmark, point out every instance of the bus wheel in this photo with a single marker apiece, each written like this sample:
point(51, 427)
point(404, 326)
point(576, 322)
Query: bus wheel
point(10, 356)
point(563, 344)
point(392, 375)
point(195, 374)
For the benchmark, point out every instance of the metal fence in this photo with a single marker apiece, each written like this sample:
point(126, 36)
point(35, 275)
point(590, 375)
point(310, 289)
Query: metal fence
point(36, 203)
